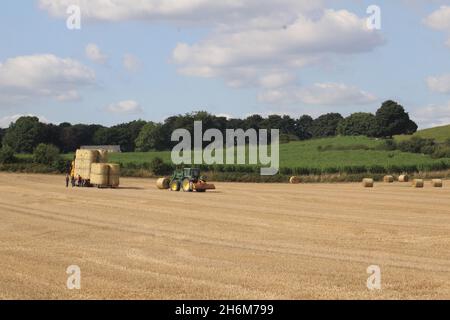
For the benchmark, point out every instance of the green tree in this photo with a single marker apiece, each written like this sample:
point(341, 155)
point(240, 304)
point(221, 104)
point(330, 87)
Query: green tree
point(151, 137)
point(359, 124)
point(46, 154)
point(51, 134)
point(159, 167)
point(393, 120)
point(418, 145)
point(72, 137)
point(7, 155)
point(303, 127)
point(237, 123)
point(133, 129)
point(124, 134)
point(252, 122)
point(2, 134)
point(447, 142)
point(69, 138)
point(25, 134)
point(285, 124)
point(326, 125)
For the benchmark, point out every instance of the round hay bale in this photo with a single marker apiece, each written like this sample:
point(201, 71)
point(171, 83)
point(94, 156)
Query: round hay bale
point(388, 179)
point(367, 183)
point(89, 155)
point(294, 180)
point(403, 178)
point(163, 183)
point(114, 169)
point(437, 183)
point(418, 183)
point(100, 169)
point(79, 154)
point(82, 168)
point(99, 179)
point(102, 156)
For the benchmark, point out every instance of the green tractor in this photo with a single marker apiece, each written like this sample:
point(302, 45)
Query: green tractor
point(189, 180)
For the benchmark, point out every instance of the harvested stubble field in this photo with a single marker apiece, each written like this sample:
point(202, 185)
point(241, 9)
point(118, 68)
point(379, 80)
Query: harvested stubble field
point(243, 241)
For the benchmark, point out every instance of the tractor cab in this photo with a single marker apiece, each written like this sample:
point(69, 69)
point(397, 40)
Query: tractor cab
point(192, 173)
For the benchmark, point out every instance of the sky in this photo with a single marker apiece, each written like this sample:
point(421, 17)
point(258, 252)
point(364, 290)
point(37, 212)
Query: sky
point(150, 59)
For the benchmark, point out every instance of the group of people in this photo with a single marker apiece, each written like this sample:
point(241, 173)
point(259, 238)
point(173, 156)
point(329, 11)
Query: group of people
point(70, 177)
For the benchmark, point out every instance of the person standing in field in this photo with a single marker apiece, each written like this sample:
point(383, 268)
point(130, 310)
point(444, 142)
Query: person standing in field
point(67, 180)
point(72, 173)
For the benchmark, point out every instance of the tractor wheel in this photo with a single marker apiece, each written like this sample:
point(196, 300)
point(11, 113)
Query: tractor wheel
point(175, 186)
point(187, 185)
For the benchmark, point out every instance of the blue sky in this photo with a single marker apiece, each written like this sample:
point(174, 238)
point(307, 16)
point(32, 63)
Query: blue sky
point(258, 57)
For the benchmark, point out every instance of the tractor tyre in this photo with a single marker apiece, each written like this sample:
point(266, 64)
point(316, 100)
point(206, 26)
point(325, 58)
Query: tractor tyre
point(187, 185)
point(175, 186)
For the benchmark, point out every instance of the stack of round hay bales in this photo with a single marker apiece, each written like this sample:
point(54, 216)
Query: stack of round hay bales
point(100, 174)
point(163, 183)
point(418, 183)
point(403, 178)
point(105, 174)
point(83, 161)
point(102, 156)
point(367, 183)
point(388, 179)
point(114, 174)
point(294, 180)
point(437, 183)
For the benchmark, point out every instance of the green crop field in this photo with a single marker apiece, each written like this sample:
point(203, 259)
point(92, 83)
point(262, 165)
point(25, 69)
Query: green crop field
point(318, 156)
point(440, 134)
point(320, 153)
point(345, 151)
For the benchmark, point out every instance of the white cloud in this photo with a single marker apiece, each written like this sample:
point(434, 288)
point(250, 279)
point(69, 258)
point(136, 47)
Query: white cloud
point(276, 80)
point(125, 107)
point(439, 84)
point(131, 62)
point(25, 78)
point(440, 20)
point(186, 11)
point(432, 115)
point(250, 55)
point(328, 94)
point(256, 43)
point(7, 120)
point(94, 54)
point(71, 95)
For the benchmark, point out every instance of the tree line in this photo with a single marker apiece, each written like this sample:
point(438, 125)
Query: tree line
point(27, 133)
